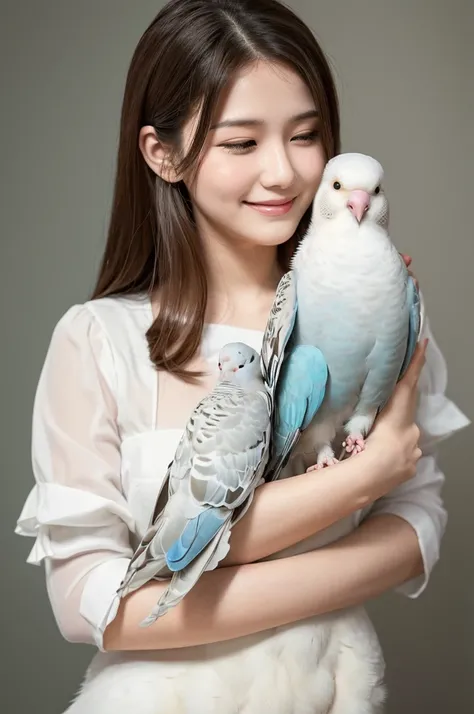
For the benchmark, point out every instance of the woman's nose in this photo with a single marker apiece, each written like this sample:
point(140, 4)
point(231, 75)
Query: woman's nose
point(277, 169)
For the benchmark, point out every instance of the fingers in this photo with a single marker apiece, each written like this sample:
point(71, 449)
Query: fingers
point(419, 357)
point(416, 365)
point(407, 259)
point(405, 394)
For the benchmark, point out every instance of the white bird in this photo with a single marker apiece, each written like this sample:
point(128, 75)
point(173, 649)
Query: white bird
point(356, 303)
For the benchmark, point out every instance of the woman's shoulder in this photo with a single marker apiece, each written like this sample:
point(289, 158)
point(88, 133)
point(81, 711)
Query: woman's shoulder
point(108, 332)
point(105, 315)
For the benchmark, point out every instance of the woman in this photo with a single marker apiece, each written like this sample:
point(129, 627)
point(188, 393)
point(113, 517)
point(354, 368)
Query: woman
point(228, 106)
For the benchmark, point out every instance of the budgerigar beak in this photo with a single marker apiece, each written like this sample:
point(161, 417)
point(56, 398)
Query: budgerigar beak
point(227, 375)
point(358, 203)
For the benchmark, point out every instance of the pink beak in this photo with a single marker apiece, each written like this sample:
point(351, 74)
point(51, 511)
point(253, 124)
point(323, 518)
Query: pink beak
point(358, 203)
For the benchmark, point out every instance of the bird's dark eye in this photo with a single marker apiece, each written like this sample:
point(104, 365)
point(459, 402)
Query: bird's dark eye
point(336, 185)
point(220, 366)
point(377, 190)
point(252, 359)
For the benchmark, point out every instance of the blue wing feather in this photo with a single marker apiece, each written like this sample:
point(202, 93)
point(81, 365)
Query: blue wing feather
point(301, 390)
point(197, 533)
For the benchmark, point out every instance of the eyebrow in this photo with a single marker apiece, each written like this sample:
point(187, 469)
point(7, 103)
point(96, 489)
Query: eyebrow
point(310, 114)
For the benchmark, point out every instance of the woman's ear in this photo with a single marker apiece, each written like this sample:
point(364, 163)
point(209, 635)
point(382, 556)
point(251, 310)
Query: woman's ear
point(156, 155)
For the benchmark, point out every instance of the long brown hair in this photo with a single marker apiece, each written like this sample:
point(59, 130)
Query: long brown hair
point(188, 53)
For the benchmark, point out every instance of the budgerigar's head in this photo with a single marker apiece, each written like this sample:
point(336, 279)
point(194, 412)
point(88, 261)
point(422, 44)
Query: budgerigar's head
point(238, 363)
point(352, 187)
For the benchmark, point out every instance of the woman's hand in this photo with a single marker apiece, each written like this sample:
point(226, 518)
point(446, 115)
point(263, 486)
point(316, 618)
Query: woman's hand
point(393, 440)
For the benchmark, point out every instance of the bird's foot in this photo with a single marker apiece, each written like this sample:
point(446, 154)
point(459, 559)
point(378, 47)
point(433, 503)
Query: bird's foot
point(354, 444)
point(325, 458)
point(357, 428)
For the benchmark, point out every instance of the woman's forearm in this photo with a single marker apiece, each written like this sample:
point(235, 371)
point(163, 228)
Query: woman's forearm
point(288, 511)
point(240, 600)
point(381, 554)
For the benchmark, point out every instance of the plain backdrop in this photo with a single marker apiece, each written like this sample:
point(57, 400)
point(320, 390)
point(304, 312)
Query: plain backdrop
point(404, 72)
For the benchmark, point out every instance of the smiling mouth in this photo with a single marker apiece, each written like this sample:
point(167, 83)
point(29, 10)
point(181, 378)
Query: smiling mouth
point(275, 202)
point(272, 209)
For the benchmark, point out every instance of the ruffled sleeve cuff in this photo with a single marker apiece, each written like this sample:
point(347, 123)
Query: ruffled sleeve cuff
point(80, 521)
point(67, 522)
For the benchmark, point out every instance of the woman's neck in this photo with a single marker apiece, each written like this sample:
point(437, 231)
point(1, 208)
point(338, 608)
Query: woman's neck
point(241, 284)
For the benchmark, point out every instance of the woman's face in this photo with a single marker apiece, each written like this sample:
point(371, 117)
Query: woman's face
point(264, 146)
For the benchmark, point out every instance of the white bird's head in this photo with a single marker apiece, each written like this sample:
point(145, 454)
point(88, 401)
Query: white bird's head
point(352, 188)
point(239, 363)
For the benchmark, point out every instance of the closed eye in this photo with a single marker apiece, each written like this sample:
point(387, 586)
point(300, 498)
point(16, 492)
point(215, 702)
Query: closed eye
point(310, 136)
point(243, 147)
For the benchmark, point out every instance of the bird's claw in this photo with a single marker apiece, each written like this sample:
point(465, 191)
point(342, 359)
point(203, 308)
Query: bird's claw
point(354, 444)
point(326, 461)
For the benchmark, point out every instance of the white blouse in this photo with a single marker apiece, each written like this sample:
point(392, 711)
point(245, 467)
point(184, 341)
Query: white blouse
point(103, 436)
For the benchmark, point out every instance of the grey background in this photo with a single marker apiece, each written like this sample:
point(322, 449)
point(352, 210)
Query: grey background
point(404, 71)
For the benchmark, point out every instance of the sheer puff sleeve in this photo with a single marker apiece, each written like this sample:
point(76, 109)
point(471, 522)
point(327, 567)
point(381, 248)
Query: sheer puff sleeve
point(76, 511)
point(419, 500)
